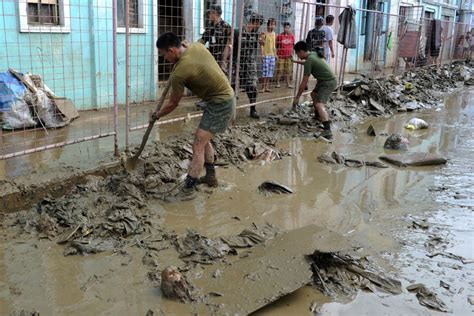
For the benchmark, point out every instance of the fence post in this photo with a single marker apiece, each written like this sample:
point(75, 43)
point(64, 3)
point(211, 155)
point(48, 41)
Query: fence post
point(114, 61)
point(127, 74)
point(237, 66)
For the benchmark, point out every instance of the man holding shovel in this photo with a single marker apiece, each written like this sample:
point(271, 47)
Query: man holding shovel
point(196, 69)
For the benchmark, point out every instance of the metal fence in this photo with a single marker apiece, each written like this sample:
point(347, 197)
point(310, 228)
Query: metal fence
point(101, 55)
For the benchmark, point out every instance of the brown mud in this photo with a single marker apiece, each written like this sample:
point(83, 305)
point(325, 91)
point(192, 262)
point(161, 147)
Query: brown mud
point(131, 235)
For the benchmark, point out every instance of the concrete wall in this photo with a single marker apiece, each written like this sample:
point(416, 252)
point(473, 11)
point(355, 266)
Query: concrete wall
point(79, 64)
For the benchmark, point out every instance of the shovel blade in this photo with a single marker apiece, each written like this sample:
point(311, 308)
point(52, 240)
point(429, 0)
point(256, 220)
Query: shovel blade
point(134, 163)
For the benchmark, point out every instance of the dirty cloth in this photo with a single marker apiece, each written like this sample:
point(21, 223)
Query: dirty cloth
point(427, 298)
point(414, 159)
point(197, 248)
point(347, 34)
point(338, 159)
point(252, 236)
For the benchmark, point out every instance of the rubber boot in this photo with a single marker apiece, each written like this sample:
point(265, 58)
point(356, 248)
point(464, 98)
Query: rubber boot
point(210, 178)
point(253, 112)
point(327, 130)
point(186, 192)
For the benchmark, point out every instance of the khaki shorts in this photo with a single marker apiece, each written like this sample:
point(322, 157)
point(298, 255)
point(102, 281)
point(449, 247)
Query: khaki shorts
point(217, 115)
point(324, 89)
point(285, 66)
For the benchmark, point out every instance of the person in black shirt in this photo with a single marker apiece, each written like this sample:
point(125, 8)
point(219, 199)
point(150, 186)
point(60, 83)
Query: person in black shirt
point(218, 35)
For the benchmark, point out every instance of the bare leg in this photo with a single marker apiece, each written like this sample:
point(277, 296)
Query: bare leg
point(209, 153)
point(201, 140)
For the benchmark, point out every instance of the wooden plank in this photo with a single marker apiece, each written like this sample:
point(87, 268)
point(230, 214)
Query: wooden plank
point(270, 271)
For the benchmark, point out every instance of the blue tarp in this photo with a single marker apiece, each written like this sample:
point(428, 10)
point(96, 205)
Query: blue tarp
point(11, 90)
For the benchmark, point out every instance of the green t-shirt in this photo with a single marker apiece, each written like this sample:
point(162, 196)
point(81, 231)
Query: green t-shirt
point(199, 72)
point(318, 67)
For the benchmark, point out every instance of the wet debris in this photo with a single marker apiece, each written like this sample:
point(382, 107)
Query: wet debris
point(450, 256)
point(197, 248)
point(334, 273)
point(339, 159)
point(270, 187)
point(470, 299)
point(252, 236)
point(414, 159)
point(371, 131)
point(423, 224)
point(416, 123)
point(91, 246)
point(174, 285)
point(396, 142)
point(427, 298)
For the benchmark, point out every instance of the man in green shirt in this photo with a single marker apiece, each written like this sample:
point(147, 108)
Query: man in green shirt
point(196, 69)
point(314, 64)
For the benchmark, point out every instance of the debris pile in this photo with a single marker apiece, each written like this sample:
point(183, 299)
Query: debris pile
point(336, 274)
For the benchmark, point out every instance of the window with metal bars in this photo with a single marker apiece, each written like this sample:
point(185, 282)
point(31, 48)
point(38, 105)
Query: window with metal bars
point(43, 12)
point(133, 13)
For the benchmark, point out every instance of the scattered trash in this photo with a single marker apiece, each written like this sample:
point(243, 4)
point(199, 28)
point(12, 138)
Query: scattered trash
point(396, 142)
point(269, 187)
point(427, 297)
point(174, 285)
point(371, 131)
point(338, 159)
point(416, 123)
point(414, 159)
point(451, 256)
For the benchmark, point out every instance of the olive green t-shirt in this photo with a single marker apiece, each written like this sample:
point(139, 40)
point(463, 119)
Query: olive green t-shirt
point(199, 72)
point(318, 67)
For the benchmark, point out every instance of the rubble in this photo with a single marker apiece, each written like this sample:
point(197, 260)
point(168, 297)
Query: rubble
point(396, 142)
point(414, 159)
point(269, 187)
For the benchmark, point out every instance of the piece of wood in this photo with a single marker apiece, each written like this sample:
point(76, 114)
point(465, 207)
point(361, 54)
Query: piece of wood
point(270, 271)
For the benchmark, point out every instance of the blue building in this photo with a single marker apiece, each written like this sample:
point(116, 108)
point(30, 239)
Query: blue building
point(70, 44)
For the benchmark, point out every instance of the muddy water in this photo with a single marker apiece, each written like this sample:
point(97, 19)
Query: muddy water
point(374, 207)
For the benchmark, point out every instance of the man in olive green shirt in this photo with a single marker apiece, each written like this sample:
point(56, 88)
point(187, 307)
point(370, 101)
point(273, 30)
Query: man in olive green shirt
point(196, 69)
point(315, 64)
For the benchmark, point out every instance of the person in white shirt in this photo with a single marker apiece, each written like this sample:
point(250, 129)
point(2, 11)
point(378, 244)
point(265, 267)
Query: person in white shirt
point(328, 46)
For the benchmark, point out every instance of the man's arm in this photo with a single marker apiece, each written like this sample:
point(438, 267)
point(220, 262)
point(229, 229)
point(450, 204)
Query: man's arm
point(303, 84)
point(173, 102)
point(331, 48)
point(227, 47)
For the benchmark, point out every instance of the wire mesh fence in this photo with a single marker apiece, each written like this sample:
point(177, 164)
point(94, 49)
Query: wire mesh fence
point(99, 57)
point(55, 60)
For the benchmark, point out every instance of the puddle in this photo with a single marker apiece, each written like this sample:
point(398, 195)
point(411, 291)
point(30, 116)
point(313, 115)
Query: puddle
point(373, 207)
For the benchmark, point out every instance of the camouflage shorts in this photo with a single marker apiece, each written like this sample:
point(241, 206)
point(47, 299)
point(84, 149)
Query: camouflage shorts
point(217, 115)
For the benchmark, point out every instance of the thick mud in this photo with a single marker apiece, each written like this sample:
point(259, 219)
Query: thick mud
point(101, 249)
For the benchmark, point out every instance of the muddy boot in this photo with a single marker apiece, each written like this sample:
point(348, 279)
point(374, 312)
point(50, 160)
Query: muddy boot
point(253, 112)
point(186, 192)
point(326, 130)
point(210, 177)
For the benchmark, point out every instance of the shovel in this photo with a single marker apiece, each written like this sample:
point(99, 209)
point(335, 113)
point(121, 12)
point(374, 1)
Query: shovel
point(133, 162)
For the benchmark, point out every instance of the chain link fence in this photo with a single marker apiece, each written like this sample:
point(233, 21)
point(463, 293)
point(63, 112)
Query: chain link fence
point(98, 57)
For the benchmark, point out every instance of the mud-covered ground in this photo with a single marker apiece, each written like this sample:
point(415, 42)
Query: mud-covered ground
point(102, 247)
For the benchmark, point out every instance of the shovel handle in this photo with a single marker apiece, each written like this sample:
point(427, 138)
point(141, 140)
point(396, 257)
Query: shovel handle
point(153, 120)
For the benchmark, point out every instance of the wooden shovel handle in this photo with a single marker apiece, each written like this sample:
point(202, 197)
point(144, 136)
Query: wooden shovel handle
point(152, 120)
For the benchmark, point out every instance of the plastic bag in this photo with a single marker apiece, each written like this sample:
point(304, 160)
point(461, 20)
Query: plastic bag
point(416, 123)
